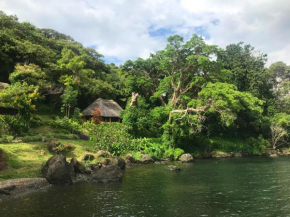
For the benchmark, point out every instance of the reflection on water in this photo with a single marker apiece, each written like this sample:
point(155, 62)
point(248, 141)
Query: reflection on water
point(226, 187)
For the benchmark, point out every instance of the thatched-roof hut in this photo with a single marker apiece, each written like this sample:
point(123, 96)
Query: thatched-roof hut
point(6, 110)
point(110, 110)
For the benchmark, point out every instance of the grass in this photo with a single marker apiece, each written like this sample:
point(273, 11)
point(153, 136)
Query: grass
point(25, 160)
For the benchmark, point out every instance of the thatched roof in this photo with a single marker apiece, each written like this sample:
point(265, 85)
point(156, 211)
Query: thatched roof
point(108, 108)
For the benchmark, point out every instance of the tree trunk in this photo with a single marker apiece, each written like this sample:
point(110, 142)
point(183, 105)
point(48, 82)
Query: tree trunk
point(134, 99)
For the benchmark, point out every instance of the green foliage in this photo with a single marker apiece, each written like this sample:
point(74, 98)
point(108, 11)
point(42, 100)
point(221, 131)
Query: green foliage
point(14, 125)
point(113, 137)
point(188, 92)
point(6, 139)
point(69, 99)
point(31, 74)
point(247, 146)
point(155, 148)
point(65, 123)
point(226, 101)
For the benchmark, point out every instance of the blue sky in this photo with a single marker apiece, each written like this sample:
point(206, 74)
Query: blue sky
point(128, 29)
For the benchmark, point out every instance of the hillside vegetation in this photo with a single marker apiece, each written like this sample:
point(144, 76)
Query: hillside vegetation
point(188, 97)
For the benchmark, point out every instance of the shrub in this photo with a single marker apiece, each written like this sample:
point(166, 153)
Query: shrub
point(113, 137)
point(97, 116)
point(13, 124)
point(6, 139)
point(173, 153)
point(155, 148)
point(39, 137)
point(67, 124)
point(258, 145)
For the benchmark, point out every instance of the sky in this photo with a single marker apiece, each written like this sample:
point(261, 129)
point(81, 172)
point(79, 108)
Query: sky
point(128, 29)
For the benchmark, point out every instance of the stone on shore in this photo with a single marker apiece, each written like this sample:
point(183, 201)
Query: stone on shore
point(146, 158)
point(173, 168)
point(111, 173)
point(221, 154)
point(186, 158)
point(58, 171)
point(130, 159)
point(120, 162)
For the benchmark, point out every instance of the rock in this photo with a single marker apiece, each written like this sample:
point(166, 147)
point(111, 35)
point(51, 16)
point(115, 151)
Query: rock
point(87, 157)
point(3, 161)
point(88, 169)
point(106, 161)
point(111, 173)
point(238, 154)
point(273, 155)
point(130, 159)
point(221, 154)
point(146, 158)
point(102, 153)
point(173, 168)
point(96, 166)
point(16, 141)
point(6, 190)
point(58, 171)
point(77, 166)
point(120, 162)
point(186, 158)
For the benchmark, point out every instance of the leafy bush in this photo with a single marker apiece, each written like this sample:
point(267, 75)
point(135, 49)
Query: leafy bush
point(13, 124)
point(249, 146)
point(39, 137)
point(6, 139)
point(155, 148)
point(175, 153)
point(31, 138)
point(258, 145)
point(67, 124)
point(113, 137)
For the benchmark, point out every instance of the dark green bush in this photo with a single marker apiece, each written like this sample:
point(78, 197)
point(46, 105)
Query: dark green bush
point(66, 124)
point(113, 137)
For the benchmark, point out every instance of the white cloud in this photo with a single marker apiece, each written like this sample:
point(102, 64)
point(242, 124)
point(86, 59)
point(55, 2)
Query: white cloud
point(120, 28)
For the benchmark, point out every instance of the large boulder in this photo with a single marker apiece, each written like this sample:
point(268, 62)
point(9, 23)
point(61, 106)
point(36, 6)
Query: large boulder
point(146, 158)
point(58, 171)
point(111, 173)
point(3, 161)
point(186, 158)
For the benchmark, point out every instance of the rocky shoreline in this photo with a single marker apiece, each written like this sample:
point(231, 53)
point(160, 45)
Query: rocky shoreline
point(61, 172)
point(21, 187)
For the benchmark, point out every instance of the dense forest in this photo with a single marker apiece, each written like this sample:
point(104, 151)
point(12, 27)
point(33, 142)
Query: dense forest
point(191, 96)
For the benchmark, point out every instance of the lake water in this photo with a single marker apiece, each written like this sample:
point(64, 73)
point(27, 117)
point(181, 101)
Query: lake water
point(225, 187)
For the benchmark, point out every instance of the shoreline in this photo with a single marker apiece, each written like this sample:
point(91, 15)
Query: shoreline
point(26, 186)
